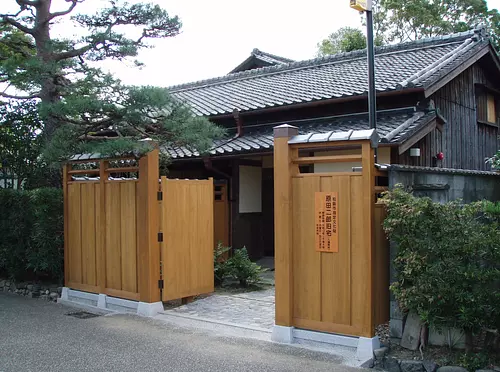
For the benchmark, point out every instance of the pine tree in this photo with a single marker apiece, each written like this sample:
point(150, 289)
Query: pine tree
point(83, 108)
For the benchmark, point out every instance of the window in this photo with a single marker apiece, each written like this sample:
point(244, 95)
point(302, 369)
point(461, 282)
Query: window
point(486, 105)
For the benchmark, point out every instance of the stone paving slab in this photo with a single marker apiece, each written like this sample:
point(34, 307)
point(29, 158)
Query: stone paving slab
point(250, 309)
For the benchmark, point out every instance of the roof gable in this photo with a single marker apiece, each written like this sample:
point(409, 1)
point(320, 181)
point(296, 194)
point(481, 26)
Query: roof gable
point(260, 59)
point(417, 64)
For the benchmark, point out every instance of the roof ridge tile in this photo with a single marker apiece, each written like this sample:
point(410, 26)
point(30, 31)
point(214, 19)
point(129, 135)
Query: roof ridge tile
point(340, 57)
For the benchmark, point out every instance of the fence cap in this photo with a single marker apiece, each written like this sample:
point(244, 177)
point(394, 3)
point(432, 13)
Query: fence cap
point(350, 135)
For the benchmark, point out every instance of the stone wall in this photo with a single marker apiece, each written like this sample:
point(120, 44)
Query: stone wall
point(441, 185)
point(47, 292)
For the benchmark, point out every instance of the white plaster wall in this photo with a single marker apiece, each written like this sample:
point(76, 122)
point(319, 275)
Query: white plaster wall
point(250, 198)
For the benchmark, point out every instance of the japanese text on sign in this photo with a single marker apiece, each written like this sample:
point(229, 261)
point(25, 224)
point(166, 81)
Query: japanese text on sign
point(326, 212)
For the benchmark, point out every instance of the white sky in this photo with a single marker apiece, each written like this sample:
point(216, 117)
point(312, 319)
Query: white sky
point(217, 35)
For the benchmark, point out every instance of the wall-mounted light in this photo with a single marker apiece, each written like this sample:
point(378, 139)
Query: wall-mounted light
point(415, 152)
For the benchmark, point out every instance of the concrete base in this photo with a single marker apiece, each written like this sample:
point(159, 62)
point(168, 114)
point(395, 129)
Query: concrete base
point(104, 302)
point(366, 346)
point(147, 309)
point(362, 346)
point(282, 334)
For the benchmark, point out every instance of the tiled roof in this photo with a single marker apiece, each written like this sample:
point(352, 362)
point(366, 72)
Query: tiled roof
point(261, 59)
point(393, 126)
point(415, 64)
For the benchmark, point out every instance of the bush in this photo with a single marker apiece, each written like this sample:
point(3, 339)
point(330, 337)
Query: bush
point(447, 261)
point(221, 268)
point(237, 267)
point(31, 233)
point(244, 270)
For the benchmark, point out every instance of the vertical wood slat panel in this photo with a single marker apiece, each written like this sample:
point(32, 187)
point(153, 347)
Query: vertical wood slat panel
point(306, 263)
point(188, 228)
point(88, 234)
point(74, 241)
point(128, 239)
point(336, 267)
point(113, 236)
point(358, 253)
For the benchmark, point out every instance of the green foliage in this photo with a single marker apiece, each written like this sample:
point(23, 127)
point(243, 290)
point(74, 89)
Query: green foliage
point(237, 267)
point(403, 20)
point(221, 268)
point(243, 269)
point(346, 39)
point(31, 233)
point(447, 261)
point(474, 361)
point(82, 108)
point(46, 249)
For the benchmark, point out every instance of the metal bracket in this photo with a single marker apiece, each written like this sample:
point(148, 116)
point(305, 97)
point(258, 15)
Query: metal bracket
point(160, 237)
point(160, 283)
point(160, 195)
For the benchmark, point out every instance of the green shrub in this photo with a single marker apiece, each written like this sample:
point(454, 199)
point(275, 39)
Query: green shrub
point(243, 269)
point(46, 251)
point(221, 268)
point(16, 223)
point(31, 233)
point(447, 261)
point(474, 361)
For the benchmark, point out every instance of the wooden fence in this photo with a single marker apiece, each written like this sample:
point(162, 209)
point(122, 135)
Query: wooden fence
point(331, 253)
point(113, 228)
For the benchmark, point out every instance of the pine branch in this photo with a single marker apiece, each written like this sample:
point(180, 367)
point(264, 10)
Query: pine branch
point(32, 96)
point(73, 53)
point(65, 12)
point(16, 24)
point(28, 2)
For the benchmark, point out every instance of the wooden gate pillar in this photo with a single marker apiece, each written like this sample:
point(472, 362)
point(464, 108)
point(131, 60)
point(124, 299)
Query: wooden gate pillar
point(148, 225)
point(284, 169)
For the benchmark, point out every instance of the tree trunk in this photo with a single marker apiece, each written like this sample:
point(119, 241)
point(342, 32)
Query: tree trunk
point(49, 92)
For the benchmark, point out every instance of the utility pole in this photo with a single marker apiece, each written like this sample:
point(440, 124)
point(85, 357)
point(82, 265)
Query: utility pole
point(366, 7)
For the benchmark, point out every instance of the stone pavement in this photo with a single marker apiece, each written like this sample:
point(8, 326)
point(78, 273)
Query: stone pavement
point(250, 309)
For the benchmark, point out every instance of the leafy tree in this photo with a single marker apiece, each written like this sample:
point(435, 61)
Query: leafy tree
point(396, 21)
point(81, 107)
point(20, 144)
point(346, 39)
point(406, 20)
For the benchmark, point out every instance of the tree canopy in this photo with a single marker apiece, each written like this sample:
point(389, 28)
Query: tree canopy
point(398, 21)
point(345, 39)
point(81, 107)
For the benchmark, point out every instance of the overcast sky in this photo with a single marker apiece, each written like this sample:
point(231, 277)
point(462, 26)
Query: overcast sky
point(217, 35)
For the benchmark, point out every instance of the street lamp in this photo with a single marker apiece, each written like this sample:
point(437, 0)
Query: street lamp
point(366, 6)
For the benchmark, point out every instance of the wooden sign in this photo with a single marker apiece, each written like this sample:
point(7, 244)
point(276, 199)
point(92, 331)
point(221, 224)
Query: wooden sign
point(326, 215)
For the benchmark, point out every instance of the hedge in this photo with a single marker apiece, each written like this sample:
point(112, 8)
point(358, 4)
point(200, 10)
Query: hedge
point(31, 234)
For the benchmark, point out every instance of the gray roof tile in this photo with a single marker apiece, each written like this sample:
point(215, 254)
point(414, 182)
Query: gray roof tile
point(401, 123)
point(415, 64)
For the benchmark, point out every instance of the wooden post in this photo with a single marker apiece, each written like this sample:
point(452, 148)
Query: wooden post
point(368, 165)
point(101, 254)
point(148, 226)
point(283, 171)
point(66, 220)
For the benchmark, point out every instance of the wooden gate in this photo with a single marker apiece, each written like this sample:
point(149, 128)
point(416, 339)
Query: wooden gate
point(113, 225)
point(187, 225)
point(331, 258)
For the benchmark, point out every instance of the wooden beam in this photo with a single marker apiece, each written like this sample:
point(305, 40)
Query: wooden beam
point(66, 221)
point(327, 146)
point(83, 171)
point(148, 226)
point(417, 137)
point(101, 244)
point(122, 170)
point(328, 159)
point(284, 169)
point(368, 259)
